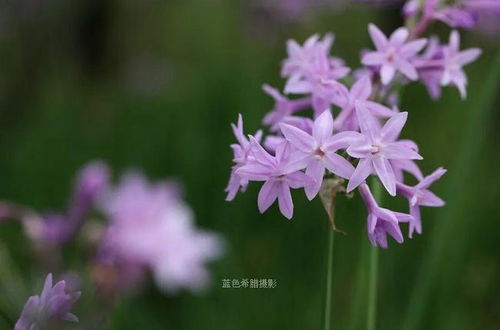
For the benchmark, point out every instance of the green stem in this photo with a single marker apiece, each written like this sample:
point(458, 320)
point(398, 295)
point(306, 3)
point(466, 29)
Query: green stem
point(442, 236)
point(329, 271)
point(371, 311)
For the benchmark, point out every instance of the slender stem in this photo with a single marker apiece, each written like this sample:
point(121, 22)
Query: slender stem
point(371, 311)
point(372, 290)
point(329, 271)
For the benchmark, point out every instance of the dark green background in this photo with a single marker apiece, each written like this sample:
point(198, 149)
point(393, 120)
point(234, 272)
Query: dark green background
point(154, 84)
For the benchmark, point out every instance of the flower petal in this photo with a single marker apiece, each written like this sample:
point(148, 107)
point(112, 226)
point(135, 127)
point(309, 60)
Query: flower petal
point(399, 36)
point(323, 127)
point(430, 179)
point(397, 151)
point(362, 171)
point(387, 73)
point(338, 165)
point(368, 125)
point(469, 55)
point(428, 198)
point(378, 37)
point(373, 58)
point(268, 194)
point(392, 128)
point(298, 138)
point(379, 110)
point(408, 70)
point(316, 170)
point(384, 171)
point(285, 200)
point(341, 140)
point(361, 89)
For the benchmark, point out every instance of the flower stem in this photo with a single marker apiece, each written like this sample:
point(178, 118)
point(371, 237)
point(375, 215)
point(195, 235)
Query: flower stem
point(329, 271)
point(371, 311)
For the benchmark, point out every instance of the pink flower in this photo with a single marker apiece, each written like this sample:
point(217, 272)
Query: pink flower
point(51, 307)
point(241, 153)
point(454, 60)
point(360, 92)
point(300, 58)
point(377, 147)
point(280, 173)
point(283, 106)
point(151, 227)
point(380, 221)
point(393, 54)
point(419, 195)
point(319, 150)
point(319, 80)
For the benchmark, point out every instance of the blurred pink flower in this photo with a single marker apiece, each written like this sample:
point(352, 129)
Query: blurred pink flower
point(151, 227)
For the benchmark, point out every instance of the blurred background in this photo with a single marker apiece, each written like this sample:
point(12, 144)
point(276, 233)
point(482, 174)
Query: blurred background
point(154, 84)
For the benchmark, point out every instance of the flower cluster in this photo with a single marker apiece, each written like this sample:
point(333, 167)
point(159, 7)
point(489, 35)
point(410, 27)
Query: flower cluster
point(137, 229)
point(354, 132)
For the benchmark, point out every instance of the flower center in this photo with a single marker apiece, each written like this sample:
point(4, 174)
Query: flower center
point(375, 149)
point(319, 153)
point(391, 56)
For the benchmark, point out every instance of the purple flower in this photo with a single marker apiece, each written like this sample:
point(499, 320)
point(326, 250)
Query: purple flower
point(280, 173)
point(381, 222)
point(241, 153)
point(419, 195)
point(319, 150)
point(56, 228)
point(283, 106)
point(454, 60)
point(377, 147)
point(52, 306)
point(151, 227)
point(393, 54)
point(300, 58)
point(360, 91)
point(319, 80)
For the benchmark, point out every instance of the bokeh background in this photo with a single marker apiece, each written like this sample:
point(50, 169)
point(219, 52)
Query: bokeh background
point(155, 84)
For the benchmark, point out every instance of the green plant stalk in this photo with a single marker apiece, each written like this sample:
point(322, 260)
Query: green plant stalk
point(329, 273)
point(441, 236)
point(371, 311)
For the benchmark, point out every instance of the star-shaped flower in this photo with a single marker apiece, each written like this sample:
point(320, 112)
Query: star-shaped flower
point(393, 54)
point(300, 57)
point(319, 80)
point(376, 147)
point(319, 150)
point(280, 173)
point(454, 60)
